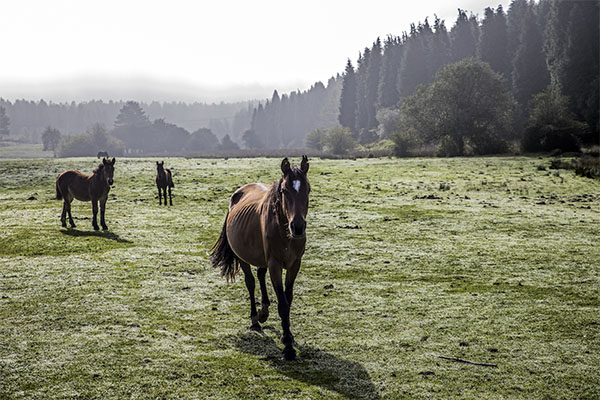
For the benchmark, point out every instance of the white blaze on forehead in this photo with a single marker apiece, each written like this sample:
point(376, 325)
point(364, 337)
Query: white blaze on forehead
point(296, 184)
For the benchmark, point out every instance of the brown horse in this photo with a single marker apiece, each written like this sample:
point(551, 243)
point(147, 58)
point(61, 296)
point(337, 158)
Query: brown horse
point(73, 184)
point(163, 180)
point(266, 227)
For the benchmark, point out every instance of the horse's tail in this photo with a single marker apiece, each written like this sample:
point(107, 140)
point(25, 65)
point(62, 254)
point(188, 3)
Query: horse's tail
point(223, 257)
point(171, 184)
point(58, 193)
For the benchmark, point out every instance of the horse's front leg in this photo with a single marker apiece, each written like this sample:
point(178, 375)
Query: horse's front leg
point(63, 215)
point(68, 203)
point(95, 214)
point(170, 199)
point(263, 313)
point(159, 196)
point(283, 307)
point(249, 278)
point(102, 209)
point(165, 195)
point(290, 277)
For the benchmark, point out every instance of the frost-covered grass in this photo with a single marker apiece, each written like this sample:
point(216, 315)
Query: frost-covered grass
point(488, 259)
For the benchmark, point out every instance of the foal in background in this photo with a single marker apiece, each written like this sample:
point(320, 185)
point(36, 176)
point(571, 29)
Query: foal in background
point(164, 180)
point(73, 184)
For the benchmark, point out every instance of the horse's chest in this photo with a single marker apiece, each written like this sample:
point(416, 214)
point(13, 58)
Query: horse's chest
point(99, 192)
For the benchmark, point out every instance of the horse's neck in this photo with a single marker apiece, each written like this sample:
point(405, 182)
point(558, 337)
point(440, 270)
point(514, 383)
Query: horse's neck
point(97, 177)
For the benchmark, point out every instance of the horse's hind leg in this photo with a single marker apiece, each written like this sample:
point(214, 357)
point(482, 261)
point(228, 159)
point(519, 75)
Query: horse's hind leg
point(170, 199)
point(165, 195)
point(249, 278)
point(263, 313)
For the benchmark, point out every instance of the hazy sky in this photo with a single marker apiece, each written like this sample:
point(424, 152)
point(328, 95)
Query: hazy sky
point(193, 50)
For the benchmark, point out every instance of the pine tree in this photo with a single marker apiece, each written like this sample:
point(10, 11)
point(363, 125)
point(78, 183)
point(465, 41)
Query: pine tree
point(439, 53)
point(530, 73)
point(413, 67)
point(492, 41)
point(579, 80)
point(514, 24)
point(373, 73)
point(4, 123)
point(362, 112)
point(347, 115)
point(388, 88)
point(463, 37)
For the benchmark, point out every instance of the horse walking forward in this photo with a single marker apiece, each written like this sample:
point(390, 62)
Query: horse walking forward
point(164, 180)
point(266, 227)
point(73, 184)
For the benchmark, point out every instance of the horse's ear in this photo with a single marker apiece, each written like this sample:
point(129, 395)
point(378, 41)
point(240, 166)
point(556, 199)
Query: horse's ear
point(285, 166)
point(113, 161)
point(304, 164)
point(162, 163)
point(104, 160)
point(157, 163)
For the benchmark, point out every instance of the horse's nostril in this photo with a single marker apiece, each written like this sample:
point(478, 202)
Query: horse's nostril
point(297, 227)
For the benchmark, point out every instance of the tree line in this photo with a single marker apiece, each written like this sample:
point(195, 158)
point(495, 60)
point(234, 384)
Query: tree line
point(29, 119)
point(537, 52)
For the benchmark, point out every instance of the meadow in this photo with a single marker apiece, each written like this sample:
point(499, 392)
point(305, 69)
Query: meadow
point(492, 260)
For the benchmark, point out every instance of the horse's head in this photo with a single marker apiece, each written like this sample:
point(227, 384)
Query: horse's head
point(108, 170)
point(160, 167)
point(294, 189)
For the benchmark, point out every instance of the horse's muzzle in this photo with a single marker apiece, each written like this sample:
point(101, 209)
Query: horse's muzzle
point(298, 228)
point(110, 182)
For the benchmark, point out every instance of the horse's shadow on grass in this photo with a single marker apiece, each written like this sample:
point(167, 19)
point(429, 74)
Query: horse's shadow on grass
point(103, 234)
point(313, 366)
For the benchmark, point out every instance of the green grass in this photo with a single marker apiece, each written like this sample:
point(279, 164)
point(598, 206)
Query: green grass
point(488, 259)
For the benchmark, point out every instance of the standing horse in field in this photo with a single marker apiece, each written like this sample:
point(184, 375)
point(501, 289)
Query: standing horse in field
point(266, 227)
point(73, 184)
point(164, 180)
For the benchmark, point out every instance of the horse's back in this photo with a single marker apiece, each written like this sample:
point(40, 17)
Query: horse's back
point(252, 192)
point(74, 183)
point(244, 223)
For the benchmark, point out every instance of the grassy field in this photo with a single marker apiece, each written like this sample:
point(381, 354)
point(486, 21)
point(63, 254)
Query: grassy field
point(493, 260)
point(23, 150)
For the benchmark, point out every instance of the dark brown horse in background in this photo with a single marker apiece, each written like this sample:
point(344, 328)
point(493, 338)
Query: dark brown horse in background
point(73, 184)
point(266, 227)
point(163, 180)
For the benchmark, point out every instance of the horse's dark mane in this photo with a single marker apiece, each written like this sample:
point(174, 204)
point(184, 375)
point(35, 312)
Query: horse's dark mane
point(274, 197)
point(98, 168)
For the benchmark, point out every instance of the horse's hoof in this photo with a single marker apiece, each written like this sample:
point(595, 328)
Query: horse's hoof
point(73, 226)
point(104, 227)
point(289, 354)
point(263, 315)
point(64, 224)
point(255, 327)
point(96, 228)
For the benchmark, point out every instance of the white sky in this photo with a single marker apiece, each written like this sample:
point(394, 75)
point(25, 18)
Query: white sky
point(193, 50)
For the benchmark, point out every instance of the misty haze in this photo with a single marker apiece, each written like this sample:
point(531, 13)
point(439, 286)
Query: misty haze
point(285, 200)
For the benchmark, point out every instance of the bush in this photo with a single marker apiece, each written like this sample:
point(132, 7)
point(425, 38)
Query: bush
point(339, 141)
point(77, 146)
point(315, 139)
point(551, 126)
point(403, 142)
